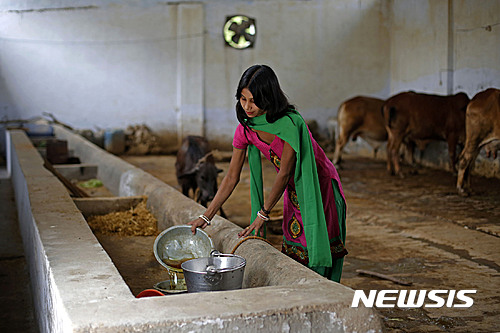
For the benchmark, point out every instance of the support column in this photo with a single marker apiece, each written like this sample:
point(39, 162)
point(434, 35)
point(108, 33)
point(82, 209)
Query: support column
point(451, 49)
point(190, 78)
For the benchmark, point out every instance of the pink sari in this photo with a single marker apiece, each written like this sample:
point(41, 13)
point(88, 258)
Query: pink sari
point(294, 240)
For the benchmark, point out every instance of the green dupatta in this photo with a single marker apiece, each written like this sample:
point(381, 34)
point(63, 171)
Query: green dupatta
point(293, 129)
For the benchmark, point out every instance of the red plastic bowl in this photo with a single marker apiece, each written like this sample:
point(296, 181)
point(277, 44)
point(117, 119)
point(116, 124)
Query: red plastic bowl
point(149, 293)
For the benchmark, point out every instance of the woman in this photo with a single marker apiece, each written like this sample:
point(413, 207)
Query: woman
point(314, 207)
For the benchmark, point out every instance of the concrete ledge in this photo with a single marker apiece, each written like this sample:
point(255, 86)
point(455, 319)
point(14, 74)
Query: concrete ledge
point(78, 289)
point(68, 267)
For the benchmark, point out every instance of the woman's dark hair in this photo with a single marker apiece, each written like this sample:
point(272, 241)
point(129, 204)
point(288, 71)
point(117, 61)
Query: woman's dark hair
point(263, 83)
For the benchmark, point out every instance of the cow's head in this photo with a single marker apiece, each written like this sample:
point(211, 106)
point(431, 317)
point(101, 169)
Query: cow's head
point(206, 179)
point(205, 173)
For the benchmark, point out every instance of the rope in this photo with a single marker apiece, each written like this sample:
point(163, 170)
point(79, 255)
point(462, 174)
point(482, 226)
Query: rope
point(247, 238)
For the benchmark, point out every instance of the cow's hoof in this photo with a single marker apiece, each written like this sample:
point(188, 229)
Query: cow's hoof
point(463, 193)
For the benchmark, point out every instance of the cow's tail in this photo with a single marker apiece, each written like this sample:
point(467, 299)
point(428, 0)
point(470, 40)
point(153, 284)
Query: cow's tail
point(389, 114)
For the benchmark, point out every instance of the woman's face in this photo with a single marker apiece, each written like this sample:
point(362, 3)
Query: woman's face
point(248, 105)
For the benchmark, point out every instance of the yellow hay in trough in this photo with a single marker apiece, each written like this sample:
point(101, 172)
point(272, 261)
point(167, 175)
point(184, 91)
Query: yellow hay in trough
point(137, 221)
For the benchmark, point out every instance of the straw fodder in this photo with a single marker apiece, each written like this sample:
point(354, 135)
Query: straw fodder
point(136, 221)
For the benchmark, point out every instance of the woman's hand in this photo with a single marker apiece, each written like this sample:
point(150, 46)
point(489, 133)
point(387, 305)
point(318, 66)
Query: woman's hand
point(257, 225)
point(198, 223)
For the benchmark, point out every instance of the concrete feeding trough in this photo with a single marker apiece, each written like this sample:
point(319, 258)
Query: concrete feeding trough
point(78, 288)
point(126, 230)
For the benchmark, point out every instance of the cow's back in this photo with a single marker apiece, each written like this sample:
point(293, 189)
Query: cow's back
point(426, 116)
point(363, 114)
point(484, 110)
point(483, 120)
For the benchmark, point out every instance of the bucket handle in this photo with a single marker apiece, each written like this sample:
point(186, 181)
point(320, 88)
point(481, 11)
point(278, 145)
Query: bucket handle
point(212, 270)
point(215, 253)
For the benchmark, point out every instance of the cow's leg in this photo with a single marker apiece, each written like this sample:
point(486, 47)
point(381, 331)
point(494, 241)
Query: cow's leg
point(413, 163)
point(466, 165)
point(339, 145)
point(408, 155)
point(452, 150)
point(198, 199)
point(396, 144)
point(467, 183)
point(463, 175)
point(185, 189)
point(222, 213)
point(187, 185)
point(390, 140)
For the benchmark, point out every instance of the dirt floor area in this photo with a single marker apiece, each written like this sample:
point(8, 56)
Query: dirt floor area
point(415, 230)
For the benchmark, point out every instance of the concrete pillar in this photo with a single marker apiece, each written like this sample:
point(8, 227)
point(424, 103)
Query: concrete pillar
point(190, 117)
point(451, 49)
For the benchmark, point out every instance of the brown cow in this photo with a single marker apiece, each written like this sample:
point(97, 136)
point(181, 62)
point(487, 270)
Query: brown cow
point(482, 124)
point(411, 116)
point(360, 116)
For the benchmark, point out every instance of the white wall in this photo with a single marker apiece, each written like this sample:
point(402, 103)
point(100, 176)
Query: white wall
point(445, 46)
point(105, 66)
point(419, 46)
point(91, 66)
point(476, 45)
point(111, 64)
point(108, 63)
point(322, 51)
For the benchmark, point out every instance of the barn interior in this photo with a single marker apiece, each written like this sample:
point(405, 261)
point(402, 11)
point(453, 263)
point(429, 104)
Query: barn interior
point(117, 80)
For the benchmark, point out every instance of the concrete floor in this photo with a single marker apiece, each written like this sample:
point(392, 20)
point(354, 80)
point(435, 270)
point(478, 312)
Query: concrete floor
point(16, 308)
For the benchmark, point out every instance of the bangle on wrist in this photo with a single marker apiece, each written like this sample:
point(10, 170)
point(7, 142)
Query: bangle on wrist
point(204, 218)
point(267, 212)
point(262, 216)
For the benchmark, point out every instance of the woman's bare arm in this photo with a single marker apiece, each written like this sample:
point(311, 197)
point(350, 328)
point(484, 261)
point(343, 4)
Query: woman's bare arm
point(287, 168)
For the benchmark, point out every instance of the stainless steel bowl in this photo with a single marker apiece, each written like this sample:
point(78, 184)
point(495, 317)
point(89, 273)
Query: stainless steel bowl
point(177, 244)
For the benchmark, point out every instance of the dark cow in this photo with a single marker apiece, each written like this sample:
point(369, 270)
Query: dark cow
point(482, 125)
point(360, 116)
point(195, 169)
point(414, 117)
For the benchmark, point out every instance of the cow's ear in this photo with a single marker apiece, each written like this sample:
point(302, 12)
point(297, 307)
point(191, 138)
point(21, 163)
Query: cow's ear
point(188, 173)
point(219, 170)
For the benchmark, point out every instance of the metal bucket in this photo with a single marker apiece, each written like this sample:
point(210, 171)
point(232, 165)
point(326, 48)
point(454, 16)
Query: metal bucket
point(217, 272)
